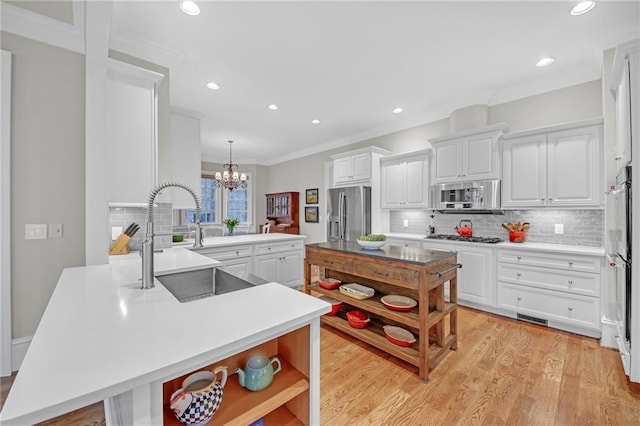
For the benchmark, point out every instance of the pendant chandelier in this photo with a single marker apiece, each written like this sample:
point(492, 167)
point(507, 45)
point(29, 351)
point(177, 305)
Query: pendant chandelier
point(230, 178)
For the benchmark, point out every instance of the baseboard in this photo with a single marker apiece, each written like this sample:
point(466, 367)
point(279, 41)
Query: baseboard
point(18, 351)
point(609, 332)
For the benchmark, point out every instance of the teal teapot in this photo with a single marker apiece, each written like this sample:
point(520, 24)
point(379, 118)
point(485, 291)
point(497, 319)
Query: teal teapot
point(258, 373)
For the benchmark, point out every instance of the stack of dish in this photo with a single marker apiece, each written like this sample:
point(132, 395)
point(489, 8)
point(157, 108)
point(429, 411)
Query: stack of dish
point(357, 319)
point(396, 302)
point(357, 291)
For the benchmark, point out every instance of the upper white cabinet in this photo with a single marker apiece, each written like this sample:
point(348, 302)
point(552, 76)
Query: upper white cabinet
point(131, 109)
point(625, 88)
point(559, 166)
point(405, 180)
point(186, 155)
point(469, 155)
point(356, 167)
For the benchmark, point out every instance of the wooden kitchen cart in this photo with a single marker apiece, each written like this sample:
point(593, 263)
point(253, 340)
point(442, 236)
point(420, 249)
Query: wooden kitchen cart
point(408, 271)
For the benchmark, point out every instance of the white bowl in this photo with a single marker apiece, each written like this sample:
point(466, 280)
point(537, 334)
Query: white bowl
point(371, 245)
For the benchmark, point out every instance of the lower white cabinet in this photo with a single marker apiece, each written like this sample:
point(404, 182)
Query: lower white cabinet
point(235, 259)
point(280, 262)
point(560, 290)
point(394, 241)
point(476, 278)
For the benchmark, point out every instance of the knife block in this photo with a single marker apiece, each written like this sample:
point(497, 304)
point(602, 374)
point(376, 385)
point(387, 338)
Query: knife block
point(120, 245)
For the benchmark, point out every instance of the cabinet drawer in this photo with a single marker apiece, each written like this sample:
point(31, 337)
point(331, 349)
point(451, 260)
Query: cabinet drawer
point(278, 247)
point(572, 282)
point(574, 309)
point(556, 261)
point(226, 253)
point(407, 278)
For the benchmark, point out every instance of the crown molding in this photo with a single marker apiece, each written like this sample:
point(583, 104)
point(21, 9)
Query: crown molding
point(45, 29)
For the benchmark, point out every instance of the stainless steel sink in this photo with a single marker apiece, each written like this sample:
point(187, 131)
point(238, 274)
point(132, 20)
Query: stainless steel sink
point(193, 285)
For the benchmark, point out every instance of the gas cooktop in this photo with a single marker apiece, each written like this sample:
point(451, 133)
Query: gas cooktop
point(487, 240)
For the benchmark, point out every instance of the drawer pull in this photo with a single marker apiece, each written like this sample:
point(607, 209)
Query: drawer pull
point(570, 283)
point(519, 257)
point(237, 253)
point(570, 309)
point(519, 298)
point(518, 275)
point(570, 263)
point(269, 248)
point(441, 273)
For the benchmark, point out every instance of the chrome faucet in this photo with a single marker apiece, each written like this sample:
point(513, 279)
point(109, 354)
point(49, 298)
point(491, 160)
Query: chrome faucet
point(147, 245)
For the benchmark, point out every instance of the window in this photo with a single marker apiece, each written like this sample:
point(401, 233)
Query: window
point(236, 203)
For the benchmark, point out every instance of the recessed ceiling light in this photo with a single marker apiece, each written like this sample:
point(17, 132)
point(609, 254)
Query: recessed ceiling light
point(397, 110)
point(213, 86)
point(189, 7)
point(544, 62)
point(273, 107)
point(582, 7)
point(315, 121)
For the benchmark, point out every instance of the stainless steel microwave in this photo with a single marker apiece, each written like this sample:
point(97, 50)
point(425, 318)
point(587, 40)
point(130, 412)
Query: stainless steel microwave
point(471, 197)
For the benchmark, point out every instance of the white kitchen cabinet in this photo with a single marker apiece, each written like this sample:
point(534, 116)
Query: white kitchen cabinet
point(402, 242)
point(186, 154)
point(131, 117)
point(235, 259)
point(356, 167)
point(467, 156)
point(559, 290)
point(476, 278)
point(559, 166)
point(280, 262)
point(405, 180)
point(625, 87)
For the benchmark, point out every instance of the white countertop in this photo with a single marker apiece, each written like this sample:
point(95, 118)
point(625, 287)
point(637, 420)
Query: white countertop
point(101, 335)
point(556, 248)
point(241, 239)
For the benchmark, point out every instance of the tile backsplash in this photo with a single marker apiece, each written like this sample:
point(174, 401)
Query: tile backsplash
point(162, 221)
point(581, 227)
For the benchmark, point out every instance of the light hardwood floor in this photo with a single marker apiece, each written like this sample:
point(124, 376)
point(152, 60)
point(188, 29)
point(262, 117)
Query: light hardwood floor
point(505, 372)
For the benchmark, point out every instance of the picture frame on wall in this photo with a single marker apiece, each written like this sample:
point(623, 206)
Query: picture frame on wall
point(311, 214)
point(312, 196)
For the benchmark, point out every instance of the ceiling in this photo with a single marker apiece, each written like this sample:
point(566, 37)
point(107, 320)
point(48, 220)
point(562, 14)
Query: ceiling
point(349, 64)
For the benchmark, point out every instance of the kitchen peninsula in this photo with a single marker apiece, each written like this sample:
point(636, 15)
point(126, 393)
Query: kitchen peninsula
point(103, 338)
point(407, 271)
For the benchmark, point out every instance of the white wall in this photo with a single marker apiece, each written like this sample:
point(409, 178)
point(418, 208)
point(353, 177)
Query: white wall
point(47, 176)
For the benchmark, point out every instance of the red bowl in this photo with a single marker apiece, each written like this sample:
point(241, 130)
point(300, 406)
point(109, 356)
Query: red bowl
point(329, 283)
point(399, 336)
point(357, 319)
point(335, 305)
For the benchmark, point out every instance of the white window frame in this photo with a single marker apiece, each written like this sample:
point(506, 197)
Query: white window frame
point(225, 201)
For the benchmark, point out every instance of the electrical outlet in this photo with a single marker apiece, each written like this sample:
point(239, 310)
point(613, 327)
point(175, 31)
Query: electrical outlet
point(55, 230)
point(115, 232)
point(559, 228)
point(406, 223)
point(35, 231)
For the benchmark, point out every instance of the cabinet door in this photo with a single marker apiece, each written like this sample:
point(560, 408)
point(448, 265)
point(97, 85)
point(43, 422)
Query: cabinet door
point(291, 273)
point(448, 161)
point(524, 169)
point(266, 266)
point(392, 184)
point(574, 167)
point(185, 159)
point(238, 266)
point(361, 167)
point(131, 132)
point(475, 278)
point(342, 170)
point(623, 120)
point(416, 183)
point(480, 159)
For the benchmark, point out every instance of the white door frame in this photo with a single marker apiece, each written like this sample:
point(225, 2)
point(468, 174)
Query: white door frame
point(5, 214)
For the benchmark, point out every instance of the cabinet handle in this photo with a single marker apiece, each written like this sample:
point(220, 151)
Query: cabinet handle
point(385, 274)
point(519, 298)
point(570, 309)
point(570, 283)
point(542, 199)
point(519, 257)
point(618, 158)
point(570, 263)
point(237, 253)
point(518, 275)
point(269, 248)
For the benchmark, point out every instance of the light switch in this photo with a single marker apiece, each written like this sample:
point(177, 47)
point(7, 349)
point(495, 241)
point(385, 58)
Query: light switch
point(559, 228)
point(55, 230)
point(35, 231)
point(406, 223)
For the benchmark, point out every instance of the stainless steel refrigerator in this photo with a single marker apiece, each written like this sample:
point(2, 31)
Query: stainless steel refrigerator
point(348, 213)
